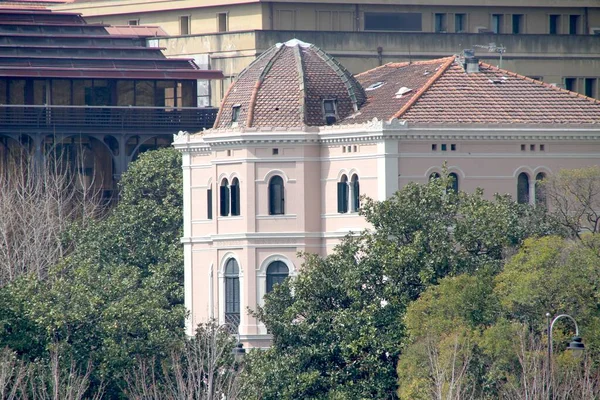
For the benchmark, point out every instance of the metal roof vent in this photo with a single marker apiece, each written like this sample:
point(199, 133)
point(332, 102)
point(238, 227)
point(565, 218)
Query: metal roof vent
point(402, 91)
point(471, 65)
point(374, 86)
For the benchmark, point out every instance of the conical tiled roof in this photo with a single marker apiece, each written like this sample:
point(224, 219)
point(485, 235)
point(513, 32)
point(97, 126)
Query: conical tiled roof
point(287, 86)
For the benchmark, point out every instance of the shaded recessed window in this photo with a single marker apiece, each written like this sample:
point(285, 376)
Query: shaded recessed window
point(276, 196)
point(440, 23)
point(222, 22)
point(232, 293)
point(540, 190)
point(460, 22)
point(235, 196)
point(277, 272)
point(342, 195)
point(554, 24)
point(497, 22)
point(517, 23)
point(590, 87)
point(452, 147)
point(571, 84)
point(355, 195)
point(330, 111)
point(434, 175)
point(444, 147)
point(393, 21)
point(235, 113)
point(224, 198)
point(209, 205)
point(573, 24)
point(434, 147)
point(523, 188)
point(184, 25)
point(453, 184)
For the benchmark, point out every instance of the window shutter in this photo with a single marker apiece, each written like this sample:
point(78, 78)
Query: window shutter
point(224, 200)
point(209, 204)
point(342, 197)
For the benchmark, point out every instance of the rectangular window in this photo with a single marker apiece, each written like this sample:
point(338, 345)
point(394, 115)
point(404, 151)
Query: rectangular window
point(532, 147)
point(571, 84)
point(517, 23)
point(460, 22)
point(590, 87)
point(133, 22)
point(393, 22)
point(222, 22)
point(452, 147)
point(235, 113)
point(554, 24)
point(434, 147)
point(444, 147)
point(573, 24)
point(184, 25)
point(542, 147)
point(440, 23)
point(342, 197)
point(523, 148)
point(275, 152)
point(224, 200)
point(497, 23)
point(209, 206)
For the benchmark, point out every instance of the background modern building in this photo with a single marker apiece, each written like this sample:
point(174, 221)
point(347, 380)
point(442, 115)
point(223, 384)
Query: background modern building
point(556, 41)
point(98, 99)
point(299, 139)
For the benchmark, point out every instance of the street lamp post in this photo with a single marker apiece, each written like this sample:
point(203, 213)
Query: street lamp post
point(575, 345)
point(238, 352)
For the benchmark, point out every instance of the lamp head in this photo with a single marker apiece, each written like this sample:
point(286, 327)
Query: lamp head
point(239, 352)
point(576, 346)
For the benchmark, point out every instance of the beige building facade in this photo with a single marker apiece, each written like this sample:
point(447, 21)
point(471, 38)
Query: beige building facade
point(299, 141)
point(555, 41)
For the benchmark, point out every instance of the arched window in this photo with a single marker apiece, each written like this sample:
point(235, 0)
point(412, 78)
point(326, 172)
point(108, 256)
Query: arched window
point(224, 198)
point(435, 175)
point(232, 292)
point(540, 190)
point(523, 188)
point(209, 206)
point(276, 196)
point(277, 271)
point(235, 197)
point(453, 184)
point(355, 189)
point(342, 195)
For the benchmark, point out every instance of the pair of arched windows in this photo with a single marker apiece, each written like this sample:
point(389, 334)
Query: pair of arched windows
point(348, 194)
point(453, 184)
point(277, 272)
point(276, 196)
point(229, 198)
point(523, 189)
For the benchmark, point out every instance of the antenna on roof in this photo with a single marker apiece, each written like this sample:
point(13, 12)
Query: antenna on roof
point(492, 48)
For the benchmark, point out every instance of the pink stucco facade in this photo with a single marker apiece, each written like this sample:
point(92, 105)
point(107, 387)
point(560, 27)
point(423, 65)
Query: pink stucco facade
point(384, 155)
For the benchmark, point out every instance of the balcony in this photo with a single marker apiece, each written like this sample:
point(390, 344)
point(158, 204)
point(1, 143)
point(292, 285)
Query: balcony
point(104, 119)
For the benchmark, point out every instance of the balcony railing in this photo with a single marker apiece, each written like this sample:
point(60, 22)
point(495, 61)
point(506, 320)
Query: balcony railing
point(64, 119)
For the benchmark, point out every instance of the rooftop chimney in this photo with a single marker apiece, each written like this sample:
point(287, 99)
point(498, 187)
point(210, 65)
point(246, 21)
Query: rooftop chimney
point(471, 63)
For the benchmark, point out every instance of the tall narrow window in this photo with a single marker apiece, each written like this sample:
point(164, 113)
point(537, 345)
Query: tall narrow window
point(184, 25)
point(330, 111)
point(235, 113)
point(276, 196)
point(517, 23)
point(571, 84)
point(540, 190)
point(232, 293)
point(342, 195)
point(554, 24)
point(453, 184)
point(497, 22)
point(573, 24)
point(222, 22)
point(224, 198)
point(354, 185)
point(440, 23)
point(523, 188)
point(277, 271)
point(460, 22)
point(590, 87)
point(235, 197)
point(209, 205)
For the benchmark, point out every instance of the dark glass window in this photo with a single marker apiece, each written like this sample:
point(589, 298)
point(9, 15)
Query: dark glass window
point(523, 188)
point(209, 205)
point(235, 197)
point(355, 193)
point(435, 175)
point(277, 271)
point(393, 22)
point(540, 191)
point(224, 198)
point(573, 24)
point(440, 23)
point(497, 22)
point(459, 22)
point(554, 22)
point(232, 293)
point(453, 184)
point(276, 196)
point(590, 87)
point(571, 84)
point(517, 23)
point(342, 195)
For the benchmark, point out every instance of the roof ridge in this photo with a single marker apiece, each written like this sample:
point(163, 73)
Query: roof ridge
point(259, 81)
point(345, 76)
point(542, 83)
point(301, 83)
point(425, 87)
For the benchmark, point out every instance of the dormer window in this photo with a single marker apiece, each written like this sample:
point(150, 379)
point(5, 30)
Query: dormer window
point(235, 113)
point(330, 111)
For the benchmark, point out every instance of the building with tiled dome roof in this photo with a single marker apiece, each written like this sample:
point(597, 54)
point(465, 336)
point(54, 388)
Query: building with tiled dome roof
point(298, 140)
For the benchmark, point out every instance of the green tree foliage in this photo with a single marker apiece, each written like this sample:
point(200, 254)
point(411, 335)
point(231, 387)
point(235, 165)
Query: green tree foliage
point(338, 328)
point(504, 317)
point(119, 294)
